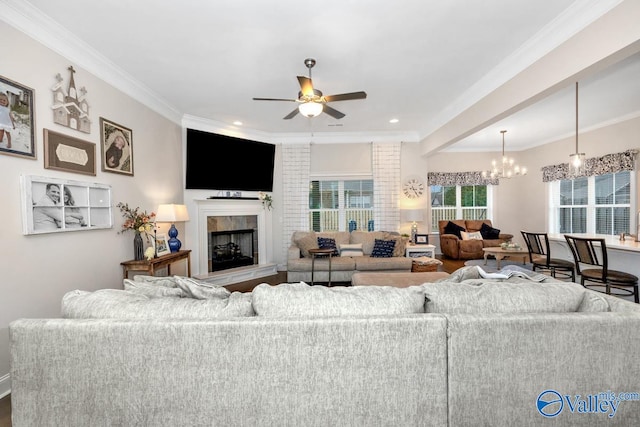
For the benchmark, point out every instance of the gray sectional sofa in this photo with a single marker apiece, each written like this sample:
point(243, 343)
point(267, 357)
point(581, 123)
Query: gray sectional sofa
point(463, 351)
point(342, 267)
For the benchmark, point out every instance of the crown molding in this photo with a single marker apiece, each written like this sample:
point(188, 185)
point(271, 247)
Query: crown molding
point(29, 20)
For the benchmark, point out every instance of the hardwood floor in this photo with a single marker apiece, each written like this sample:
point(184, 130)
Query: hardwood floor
point(5, 411)
point(448, 265)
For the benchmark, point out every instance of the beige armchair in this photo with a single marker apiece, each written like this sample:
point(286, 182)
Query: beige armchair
point(454, 247)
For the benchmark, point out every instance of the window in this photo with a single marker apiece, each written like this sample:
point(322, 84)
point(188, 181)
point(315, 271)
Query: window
point(459, 202)
point(340, 205)
point(596, 204)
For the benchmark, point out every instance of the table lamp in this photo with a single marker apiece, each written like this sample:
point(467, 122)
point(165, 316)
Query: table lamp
point(172, 213)
point(415, 216)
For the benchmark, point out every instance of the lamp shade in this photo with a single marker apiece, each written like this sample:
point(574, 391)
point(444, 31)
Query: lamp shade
point(172, 213)
point(414, 215)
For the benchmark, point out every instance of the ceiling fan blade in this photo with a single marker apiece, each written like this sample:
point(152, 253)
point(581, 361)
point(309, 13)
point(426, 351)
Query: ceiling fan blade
point(306, 86)
point(274, 99)
point(332, 112)
point(291, 114)
point(346, 96)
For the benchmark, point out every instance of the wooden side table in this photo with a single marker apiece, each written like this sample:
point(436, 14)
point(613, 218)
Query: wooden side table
point(154, 264)
point(320, 252)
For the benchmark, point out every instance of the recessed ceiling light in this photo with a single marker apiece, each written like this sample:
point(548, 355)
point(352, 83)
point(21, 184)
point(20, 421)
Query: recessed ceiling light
point(237, 123)
point(394, 121)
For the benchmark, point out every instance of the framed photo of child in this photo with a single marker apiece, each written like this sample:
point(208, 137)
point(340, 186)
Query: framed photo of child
point(116, 142)
point(17, 123)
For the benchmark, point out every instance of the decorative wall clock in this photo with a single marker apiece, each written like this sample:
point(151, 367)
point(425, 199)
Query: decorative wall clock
point(413, 187)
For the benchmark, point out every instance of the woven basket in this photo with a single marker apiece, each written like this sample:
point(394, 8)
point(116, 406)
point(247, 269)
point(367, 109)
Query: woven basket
point(419, 268)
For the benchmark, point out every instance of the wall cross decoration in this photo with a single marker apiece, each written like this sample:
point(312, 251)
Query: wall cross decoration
point(70, 109)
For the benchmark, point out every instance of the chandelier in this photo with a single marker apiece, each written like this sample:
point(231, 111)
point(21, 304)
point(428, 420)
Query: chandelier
point(506, 169)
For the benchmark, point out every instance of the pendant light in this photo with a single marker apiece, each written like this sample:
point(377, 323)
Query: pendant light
point(576, 160)
point(507, 169)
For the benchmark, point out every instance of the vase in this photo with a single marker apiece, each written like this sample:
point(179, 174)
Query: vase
point(138, 245)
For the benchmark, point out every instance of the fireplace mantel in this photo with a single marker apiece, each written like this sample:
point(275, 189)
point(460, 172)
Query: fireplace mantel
point(234, 207)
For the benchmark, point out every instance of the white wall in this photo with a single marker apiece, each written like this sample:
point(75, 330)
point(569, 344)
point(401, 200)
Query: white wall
point(37, 270)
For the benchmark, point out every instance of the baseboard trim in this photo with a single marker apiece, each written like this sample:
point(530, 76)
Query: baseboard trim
point(5, 386)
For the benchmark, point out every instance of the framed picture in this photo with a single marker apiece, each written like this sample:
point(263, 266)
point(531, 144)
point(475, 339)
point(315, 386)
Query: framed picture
point(17, 122)
point(161, 244)
point(422, 239)
point(69, 154)
point(51, 205)
point(117, 147)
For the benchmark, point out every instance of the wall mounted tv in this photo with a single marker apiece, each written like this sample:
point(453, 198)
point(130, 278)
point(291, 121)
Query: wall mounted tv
point(220, 162)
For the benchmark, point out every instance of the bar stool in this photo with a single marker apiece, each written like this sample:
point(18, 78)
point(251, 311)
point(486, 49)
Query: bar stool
point(540, 256)
point(584, 252)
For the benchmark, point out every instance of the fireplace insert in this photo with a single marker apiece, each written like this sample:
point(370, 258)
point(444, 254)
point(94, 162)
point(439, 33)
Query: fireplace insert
point(229, 249)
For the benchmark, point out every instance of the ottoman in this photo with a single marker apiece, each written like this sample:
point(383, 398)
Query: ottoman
point(399, 280)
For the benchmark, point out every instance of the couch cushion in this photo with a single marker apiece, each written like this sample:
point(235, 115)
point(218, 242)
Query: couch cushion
point(300, 299)
point(118, 304)
point(383, 248)
point(488, 232)
point(454, 229)
point(305, 241)
point(367, 263)
point(475, 235)
point(351, 249)
point(514, 296)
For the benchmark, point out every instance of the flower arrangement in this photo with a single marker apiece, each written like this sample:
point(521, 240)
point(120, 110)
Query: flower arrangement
point(266, 199)
point(150, 253)
point(141, 222)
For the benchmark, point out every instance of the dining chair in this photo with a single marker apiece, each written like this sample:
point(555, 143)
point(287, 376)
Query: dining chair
point(585, 251)
point(540, 256)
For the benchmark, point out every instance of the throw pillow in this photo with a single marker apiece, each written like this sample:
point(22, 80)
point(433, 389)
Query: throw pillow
point(489, 232)
point(476, 235)
point(455, 229)
point(307, 242)
point(300, 299)
point(328, 243)
point(353, 249)
point(152, 290)
point(383, 248)
point(198, 289)
point(485, 297)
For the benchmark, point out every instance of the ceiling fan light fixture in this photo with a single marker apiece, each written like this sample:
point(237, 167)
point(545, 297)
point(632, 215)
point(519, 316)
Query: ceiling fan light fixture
point(310, 109)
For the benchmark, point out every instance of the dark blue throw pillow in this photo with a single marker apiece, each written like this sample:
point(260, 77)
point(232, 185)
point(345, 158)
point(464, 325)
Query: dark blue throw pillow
point(488, 232)
point(453, 228)
point(328, 243)
point(383, 248)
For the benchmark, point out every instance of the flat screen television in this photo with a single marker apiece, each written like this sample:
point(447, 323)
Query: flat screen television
point(220, 162)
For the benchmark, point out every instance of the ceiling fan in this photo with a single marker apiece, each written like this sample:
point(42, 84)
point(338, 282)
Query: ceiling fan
point(312, 101)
